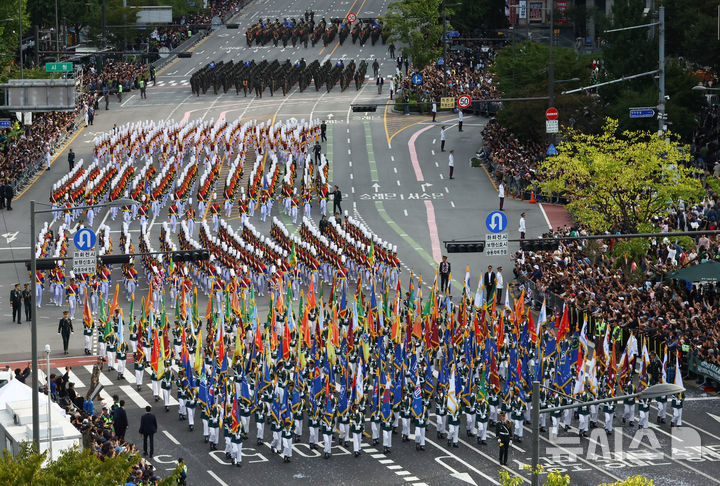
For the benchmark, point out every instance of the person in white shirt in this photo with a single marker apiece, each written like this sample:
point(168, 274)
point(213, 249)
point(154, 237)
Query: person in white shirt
point(501, 195)
point(522, 226)
point(451, 163)
point(499, 285)
point(434, 110)
point(442, 139)
point(460, 118)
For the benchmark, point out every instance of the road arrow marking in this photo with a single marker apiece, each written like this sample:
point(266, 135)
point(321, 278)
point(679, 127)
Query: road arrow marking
point(376, 186)
point(462, 476)
point(424, 184)
point(330, 116)
point(716, 417)
point(10, 237)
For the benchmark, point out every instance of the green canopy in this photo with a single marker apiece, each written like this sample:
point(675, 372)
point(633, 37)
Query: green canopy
point(704, 272)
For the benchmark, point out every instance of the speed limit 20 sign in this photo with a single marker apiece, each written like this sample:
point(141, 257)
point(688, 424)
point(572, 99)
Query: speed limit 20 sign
point(351, 17)
point(463, 101)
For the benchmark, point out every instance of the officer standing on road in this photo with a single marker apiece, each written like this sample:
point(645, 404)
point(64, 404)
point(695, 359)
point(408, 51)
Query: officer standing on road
point(503, 435)
point(317, 148)
point(337, 200)
point(71, 159)
point(444, 271)
point(323, 131)
point(15, 301)
point(27, 301)
point(65, 328)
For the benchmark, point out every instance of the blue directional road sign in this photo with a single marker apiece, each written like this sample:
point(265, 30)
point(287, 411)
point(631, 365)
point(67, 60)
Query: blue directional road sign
point(552, 150)
point(642, 112)
point(441, 61)
point(452, 33)
point(416, 79)
point(496, 222)
point(5, 123)
point(85, 239)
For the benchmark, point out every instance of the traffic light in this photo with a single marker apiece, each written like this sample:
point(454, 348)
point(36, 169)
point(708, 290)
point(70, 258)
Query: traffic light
point(465, 246)
point(190, 255)
point(543, 244)
point(42, 264)
point(364, 108)
point(111, 259)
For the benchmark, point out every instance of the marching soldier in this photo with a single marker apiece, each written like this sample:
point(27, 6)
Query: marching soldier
point(287, 439)
point(629, 405)
point(121, 359)
point(88, 328)
point(609, 409)
point(190, 404)
point(357, 425)
point(166, 385)
point(261, 413)
point(481, 418)
point(406, 414)
point(328, 425)
point(214, 427)
point(677, 408)
point(441, 414)
point(313, 423)
point(421, 423)
point(139, 367)
point(643, 412)
point(583, 416)
point(238, 437)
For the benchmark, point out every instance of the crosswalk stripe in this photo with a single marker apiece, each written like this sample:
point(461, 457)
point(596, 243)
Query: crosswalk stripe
point(73, 378)
point(134, 396)
point(129, 376)
point(106, 398)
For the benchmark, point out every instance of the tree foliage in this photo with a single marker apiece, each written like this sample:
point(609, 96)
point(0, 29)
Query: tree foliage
point(75, 466)
point(479, 14)
point(416, 25)
point(632, 481)
point(9, 29)
point(522, 71)
point(617, 181)
point(691, 31)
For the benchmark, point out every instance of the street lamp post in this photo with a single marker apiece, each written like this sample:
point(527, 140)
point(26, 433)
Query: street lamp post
point(49, 428)
point(661, 389)
point(33, 311)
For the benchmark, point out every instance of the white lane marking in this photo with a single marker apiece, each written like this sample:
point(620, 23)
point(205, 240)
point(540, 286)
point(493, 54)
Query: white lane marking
point(469, 466)
point(349, 163)
point(216, 478)
point(452, 204)
point(134, 396)
point(447, 190)
point(349, 152)
point(395, 169)
point(542, 210)
point(172, 439)
point(432, 151)
point(125, 102)
point(398, 183)
point(436, 164)
point(405, 211)
point(392, 158)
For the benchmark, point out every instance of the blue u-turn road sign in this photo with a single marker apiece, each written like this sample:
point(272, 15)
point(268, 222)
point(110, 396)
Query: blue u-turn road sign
point(496, 222)
point(85, 239)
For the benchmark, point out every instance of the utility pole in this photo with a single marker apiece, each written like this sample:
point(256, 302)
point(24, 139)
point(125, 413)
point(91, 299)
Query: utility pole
point(57, 32)
point(551, 63)
point(661, 70)
point(22, 74)
point(444, 41)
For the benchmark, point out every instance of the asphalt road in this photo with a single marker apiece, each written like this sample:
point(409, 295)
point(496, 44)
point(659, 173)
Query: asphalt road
point(395, 179)
point(678, 456)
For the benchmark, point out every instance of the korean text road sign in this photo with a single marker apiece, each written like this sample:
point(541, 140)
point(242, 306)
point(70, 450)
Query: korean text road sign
point(552, 126)
point(447, 102)
point(84, 262)
point(642, 112)
point(496, 244)
point(84, 239)
point(58, 67)
point(496, 222)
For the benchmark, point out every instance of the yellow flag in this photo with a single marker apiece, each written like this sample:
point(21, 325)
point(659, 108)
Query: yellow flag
point(198, 352)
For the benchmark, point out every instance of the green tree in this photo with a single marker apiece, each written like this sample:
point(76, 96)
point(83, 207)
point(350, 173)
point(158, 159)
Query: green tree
point(691, 31)
point(9, 29)
point(617, 181)
point(479, 14)
point(416, 25)
point(82, 467)
point(522, 71)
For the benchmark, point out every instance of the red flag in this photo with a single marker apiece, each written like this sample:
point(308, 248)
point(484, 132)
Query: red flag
point(371, 322)
point(221, 344)
point(564, 324)
point(235, 423)
point(114, 304)
point(286, 342)
point(311, 294)
point(531, 328)
point(306, 327)
point(500, 334)
point(149, 300)
point(258, 337)
point(155, 353)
